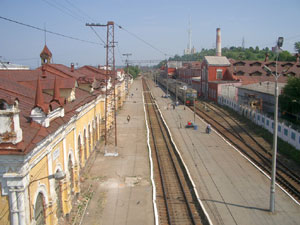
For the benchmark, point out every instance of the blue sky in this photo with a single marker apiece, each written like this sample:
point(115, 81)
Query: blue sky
point(162, 23)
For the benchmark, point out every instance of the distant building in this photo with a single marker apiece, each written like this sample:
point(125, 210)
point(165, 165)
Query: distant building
point(11, 66)
point(259, 96)
point(213, 69)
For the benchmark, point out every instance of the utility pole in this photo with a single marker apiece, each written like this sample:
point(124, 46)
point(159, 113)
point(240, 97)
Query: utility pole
point(127, 66)
point(110, 63)
point(126, 61)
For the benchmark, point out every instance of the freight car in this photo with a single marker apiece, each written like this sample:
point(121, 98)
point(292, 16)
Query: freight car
point(181, 89)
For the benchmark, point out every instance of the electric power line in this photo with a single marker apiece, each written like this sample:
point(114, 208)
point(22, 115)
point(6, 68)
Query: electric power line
point(142, 40)
point(72, 13)
point(64, 10)
point(48, 31)
point(98, 35)
point(79, 10)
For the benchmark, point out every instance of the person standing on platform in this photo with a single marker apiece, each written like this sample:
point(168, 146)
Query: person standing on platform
point(128, 118)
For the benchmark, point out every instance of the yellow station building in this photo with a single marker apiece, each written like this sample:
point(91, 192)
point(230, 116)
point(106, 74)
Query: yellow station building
point(51, 120)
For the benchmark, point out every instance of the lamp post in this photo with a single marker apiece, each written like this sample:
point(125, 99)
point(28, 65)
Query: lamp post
point(273, 173)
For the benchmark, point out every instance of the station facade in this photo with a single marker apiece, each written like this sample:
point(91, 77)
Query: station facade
point(51, 120)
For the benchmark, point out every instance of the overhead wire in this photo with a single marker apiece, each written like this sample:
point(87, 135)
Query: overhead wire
point(79, 10)
point(142, 40)
point(74, 14)
point(48, 31)
point(98, 35)
point(62, 9)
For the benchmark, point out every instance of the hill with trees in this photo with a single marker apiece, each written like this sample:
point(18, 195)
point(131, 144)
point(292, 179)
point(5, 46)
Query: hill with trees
point(238, 53)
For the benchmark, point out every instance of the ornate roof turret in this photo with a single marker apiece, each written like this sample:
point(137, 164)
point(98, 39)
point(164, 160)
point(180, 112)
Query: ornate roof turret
point(46, 55)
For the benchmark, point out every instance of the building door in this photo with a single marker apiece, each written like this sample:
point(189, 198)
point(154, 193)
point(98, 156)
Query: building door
point(39, 211)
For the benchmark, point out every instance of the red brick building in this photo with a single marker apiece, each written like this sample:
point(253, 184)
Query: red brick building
point(213, 70)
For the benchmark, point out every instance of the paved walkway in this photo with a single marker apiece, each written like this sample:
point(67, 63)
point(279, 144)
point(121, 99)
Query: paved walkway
point(121, 185)
point(232, 190)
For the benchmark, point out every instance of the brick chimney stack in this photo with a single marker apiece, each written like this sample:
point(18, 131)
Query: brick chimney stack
point(218, 46)
point(72, 67)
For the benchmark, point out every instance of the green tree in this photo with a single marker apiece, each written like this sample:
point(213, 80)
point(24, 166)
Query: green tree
point(289, 100)
point(297, 46)
point(133, 70)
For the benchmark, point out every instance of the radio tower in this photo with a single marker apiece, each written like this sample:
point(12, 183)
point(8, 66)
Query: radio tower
point(190, 37)
point(189, 49)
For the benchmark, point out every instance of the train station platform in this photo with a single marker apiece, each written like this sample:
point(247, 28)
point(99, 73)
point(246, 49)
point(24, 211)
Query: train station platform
point(232, 190)
point(121, 185)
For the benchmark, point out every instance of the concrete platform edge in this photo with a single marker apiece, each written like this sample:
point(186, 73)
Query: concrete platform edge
point(151, 167)
point(278, 185)
point(188, 172)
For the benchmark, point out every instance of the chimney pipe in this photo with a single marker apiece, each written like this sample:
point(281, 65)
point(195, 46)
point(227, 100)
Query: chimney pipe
point(218, 47)
point(297, 57)
point(72, 67)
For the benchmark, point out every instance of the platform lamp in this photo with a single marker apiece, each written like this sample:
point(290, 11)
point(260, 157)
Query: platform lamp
point(273, 173)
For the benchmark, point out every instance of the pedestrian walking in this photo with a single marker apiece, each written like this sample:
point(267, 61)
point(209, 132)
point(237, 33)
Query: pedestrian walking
point(128, 118)
point(173, 106)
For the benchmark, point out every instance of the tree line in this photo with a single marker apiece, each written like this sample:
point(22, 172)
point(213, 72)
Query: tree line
point(238, 53)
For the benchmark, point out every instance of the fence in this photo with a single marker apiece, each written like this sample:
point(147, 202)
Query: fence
point(285, 132)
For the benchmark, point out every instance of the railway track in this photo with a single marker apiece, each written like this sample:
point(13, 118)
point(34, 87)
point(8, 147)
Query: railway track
point(259, 153)
point(176, 200)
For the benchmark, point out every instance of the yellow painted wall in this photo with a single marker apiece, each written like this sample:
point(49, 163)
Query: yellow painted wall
point(38, 175)
point(39, 172)
point(4, 209)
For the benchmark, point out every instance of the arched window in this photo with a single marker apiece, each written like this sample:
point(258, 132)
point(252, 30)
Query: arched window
point(39, 210)
point(96, 131)
point(85, 145)
point(94, 134)
point(79, 151)
point(58, 200)
point(90, 138)
point(70, 168)
point(3, 105)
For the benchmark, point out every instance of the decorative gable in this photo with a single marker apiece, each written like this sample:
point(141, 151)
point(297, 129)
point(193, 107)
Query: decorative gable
point(287, 64)
point(271, 64)
point(240, 73)
point(255, 64)
point(255, 73)
point(239, 63)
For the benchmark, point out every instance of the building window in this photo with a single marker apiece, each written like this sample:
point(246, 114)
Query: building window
point(267, 122)
point(258, 118)
point(293, 135)
point(285, 131)
point(273, 125)
point(279, 128)
point(219, 74)
point(263, 119)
